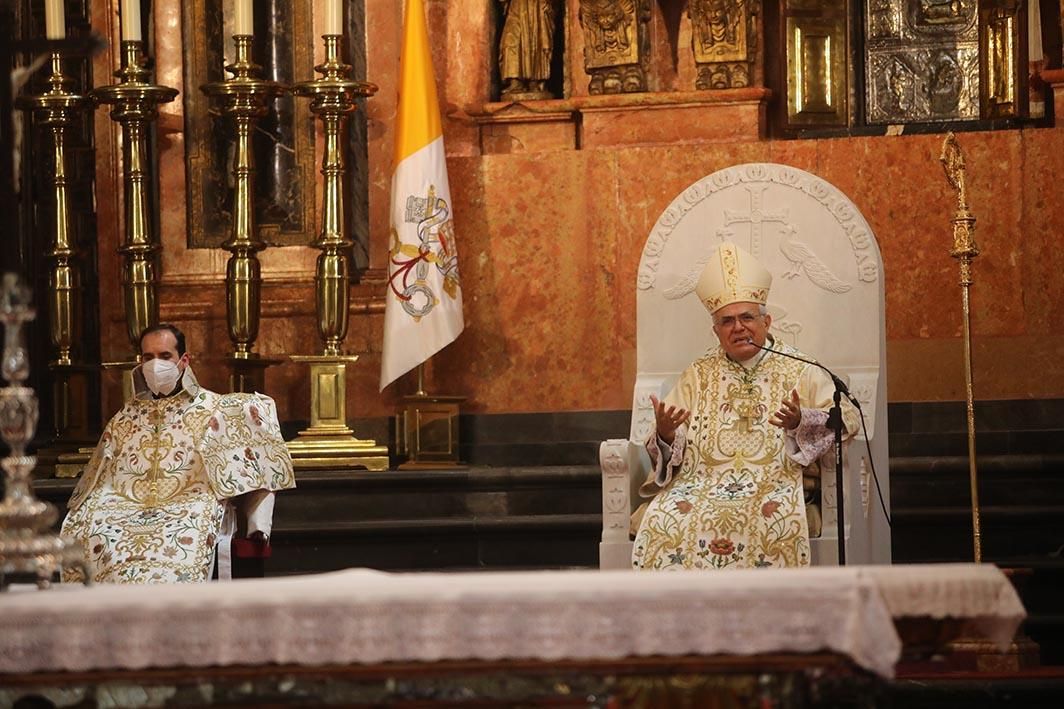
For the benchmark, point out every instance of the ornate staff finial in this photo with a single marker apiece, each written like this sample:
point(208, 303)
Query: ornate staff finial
point(953, 163)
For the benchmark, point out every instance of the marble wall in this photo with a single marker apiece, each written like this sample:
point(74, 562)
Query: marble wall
point(551, 223)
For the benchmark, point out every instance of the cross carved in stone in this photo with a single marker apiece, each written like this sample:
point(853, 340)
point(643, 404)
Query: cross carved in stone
point(756, 218)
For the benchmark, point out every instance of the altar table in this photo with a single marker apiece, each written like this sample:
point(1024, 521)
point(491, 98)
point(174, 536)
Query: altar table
point(360, 617)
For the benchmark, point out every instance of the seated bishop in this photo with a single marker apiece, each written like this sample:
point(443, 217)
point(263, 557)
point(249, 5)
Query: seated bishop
point(177, 472)
point(735, 437)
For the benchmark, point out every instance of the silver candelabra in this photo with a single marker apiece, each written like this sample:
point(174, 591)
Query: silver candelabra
point(27, 546)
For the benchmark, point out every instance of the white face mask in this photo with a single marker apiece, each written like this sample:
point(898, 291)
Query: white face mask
point(161, 376)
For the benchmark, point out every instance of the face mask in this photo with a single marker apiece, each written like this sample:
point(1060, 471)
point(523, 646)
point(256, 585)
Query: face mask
point(161, 376)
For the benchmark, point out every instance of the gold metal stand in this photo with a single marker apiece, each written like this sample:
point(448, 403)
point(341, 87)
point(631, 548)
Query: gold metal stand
point(428, 429)
point(329, 442)
point(57, 109)
point(245, 101)
point(964, 250)
point(26, 546)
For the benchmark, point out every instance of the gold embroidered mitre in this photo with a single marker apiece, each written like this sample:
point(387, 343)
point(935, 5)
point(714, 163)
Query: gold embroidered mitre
point(732, 276)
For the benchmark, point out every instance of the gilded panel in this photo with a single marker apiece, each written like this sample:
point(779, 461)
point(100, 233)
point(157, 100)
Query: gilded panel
point(1002, 44)
point(922, 60)
point(816, 69)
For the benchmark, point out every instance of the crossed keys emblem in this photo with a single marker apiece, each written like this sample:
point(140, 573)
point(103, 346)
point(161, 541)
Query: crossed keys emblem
point(412, 263)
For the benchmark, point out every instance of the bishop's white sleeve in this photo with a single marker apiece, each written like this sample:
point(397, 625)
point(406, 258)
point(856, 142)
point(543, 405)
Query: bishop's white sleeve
point(665, 459)
point(812, 438)
point(257, 507)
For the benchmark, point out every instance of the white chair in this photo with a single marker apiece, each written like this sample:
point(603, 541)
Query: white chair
point(826, 299)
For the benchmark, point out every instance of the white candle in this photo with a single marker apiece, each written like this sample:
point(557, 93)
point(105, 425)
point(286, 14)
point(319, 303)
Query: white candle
point(243, 19)
point(131, 20)
point(334, 17)
point(54, 19)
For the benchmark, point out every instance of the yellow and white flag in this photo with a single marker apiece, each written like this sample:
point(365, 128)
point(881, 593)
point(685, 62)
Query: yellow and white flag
point(423, 313)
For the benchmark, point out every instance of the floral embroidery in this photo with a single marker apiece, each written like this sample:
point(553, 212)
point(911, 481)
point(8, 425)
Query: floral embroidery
point(721, 547)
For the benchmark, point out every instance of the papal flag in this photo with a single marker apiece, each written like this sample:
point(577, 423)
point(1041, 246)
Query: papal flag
point(423, 313)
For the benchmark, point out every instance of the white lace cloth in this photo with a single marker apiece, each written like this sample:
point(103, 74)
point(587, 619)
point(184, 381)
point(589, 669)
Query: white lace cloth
point(362, 616)
point(977, 592)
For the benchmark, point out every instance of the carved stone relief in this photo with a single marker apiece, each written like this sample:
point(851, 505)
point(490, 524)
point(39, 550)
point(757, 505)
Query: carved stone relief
point(723, 38)
point(922, 60)
point(616, 44)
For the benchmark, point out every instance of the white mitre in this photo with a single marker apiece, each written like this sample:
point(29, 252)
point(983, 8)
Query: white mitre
point(732, 275)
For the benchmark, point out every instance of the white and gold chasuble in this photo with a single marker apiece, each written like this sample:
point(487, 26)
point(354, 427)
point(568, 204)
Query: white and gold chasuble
point(149, 506)
point(736, 499)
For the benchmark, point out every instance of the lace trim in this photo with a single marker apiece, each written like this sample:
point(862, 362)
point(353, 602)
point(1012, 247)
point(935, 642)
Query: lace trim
point(812, 437)
point(361, 616)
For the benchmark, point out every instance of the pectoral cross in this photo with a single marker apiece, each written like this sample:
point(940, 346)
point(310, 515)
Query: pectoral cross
point(746, 409)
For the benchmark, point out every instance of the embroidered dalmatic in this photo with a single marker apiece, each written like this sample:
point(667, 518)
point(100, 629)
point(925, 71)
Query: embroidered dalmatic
point(728, 493)
point(149, 507)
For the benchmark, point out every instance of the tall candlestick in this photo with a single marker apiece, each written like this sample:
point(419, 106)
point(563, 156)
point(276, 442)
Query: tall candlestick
point(243, 18)
point(131, 20)
point(54, 19)
point(334, 17)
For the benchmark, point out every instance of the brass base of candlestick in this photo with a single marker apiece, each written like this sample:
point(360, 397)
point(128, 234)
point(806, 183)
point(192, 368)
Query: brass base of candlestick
point(329, 442)
point(248, 374)
point(71, 465)
point(428, 431)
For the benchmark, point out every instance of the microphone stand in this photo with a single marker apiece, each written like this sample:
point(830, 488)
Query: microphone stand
point(834, 423)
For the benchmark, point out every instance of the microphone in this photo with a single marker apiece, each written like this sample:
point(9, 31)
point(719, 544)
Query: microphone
point(839, 384)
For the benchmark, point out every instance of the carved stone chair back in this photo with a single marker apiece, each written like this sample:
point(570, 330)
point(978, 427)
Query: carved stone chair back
point(827, 299)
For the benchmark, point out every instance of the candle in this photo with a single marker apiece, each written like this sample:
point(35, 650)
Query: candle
point(54, 19)
point(243, 19)
point(131, 20)
point(334, 17)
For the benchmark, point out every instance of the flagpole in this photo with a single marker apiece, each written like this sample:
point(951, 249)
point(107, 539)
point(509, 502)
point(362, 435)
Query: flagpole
point(420, 380)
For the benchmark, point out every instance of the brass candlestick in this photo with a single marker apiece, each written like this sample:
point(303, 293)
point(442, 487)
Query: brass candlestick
point(964, 250)
point(57, 109)
point(135, 101)
point(329, 442)
point(26, 548)
point(245, 100)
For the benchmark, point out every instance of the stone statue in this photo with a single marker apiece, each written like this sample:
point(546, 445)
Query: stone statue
point(616, 44)
point(722, 38)
point(526, 47)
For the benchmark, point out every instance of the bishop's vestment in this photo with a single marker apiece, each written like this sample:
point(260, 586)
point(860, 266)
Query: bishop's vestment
point(150, 504)
point(728, 493)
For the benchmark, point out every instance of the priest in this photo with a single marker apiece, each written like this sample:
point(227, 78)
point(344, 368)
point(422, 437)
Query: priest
point(734, 437)
point(177, 472)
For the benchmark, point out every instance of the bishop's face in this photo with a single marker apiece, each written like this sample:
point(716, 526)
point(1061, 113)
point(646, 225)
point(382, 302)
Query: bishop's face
point(736, 325)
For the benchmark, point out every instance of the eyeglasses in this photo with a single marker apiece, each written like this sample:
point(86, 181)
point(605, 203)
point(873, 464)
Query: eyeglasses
point(728, 322)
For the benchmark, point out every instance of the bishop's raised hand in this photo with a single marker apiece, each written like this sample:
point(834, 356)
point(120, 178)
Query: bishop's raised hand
point(669, 418)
